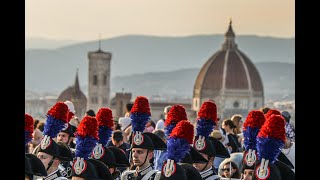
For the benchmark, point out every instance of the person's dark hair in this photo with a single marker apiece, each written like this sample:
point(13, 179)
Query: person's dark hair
point(40, 126)
point(264, 110)
point(118, 126)
point(237, 174)
point(35, 123)
point(153, 124)
point(286, 115)
point(90, 112)
point(129, 106)
point(160, 133)
point(117, 135)
point(229, 122)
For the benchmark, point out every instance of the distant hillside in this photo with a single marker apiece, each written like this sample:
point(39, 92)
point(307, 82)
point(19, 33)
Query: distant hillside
point(54, 70)
point(43, 43)
point(278, 80)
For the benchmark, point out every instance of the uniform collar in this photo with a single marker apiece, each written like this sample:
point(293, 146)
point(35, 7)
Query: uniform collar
point(144, 171)
point(207, 173)
point(53, 175)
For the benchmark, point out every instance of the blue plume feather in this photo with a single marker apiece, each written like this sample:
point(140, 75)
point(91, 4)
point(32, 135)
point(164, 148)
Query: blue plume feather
point(53, 126)
point(104, 134)
point(27, 137)
point(250, 138)
point(85, 146)
point(139, 121)
point(269, 148)
point(177, 149)
point(205, 127)
point(168, 129)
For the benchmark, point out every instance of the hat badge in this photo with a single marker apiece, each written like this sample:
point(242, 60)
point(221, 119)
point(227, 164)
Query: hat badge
point(45, 142)
point(250, 157)
point(263, 171)
point(65, 126)
point(138, 138)
point(200, 143)
point(169, 168)
point(79, 165)
point(98, 151)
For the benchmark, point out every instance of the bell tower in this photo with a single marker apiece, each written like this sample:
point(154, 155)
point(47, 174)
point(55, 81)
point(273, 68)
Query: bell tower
point(99, 79)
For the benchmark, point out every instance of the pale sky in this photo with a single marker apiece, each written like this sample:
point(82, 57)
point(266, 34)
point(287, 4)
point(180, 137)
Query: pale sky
point(85, 19)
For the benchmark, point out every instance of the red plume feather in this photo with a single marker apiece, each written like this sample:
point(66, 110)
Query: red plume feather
point(59, 111)
point(184, 129)
point(141, 105)
point(104, 117)
point(272, 111)
point(28, 123)
point(208, 111)
point(176, 114)
point(88, 127)
point(70, 115)
point(254, 119)
point(274, 127)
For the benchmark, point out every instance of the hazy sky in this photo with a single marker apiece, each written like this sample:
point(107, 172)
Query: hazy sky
point(86, 19)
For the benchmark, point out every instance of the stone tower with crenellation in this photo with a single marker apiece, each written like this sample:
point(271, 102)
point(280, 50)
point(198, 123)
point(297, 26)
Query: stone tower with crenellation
point(121, 100)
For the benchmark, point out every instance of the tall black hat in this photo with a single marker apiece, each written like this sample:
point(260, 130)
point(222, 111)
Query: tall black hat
point(178, 145)
point(56, 149)
point(69, 129)
point(121, 157)
point(56, 120)
point(172, 171)
point(192, 172)
point(111, 156)
point(270, 172)
point(193, 157)
point(91, 169)
point(34, 166)
point(286, 172)
point(283, 158)
point(206, 121)
point(140, 115)
point(220, 149)
point(86, 140)
point(251, 128)
point(270, 141)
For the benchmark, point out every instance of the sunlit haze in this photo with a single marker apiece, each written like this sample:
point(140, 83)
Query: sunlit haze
point(85, 20)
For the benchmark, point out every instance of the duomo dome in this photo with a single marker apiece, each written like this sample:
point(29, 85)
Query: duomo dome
point(230, 79)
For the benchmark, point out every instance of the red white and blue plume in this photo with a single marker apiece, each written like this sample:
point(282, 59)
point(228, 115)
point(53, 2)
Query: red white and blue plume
point(176, 114)
point(140, 114)
point(178, 143)
point(272, 111)
point(251, 128)
point(271, 138)
point(105, 123)
point(28, 128)
point(207, 119)
point(56, 119)
point(86, 136)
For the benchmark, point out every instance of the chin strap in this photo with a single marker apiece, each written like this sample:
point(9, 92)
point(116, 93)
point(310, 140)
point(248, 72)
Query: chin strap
point(50, 163)
point(145, 159)
point(206, 163)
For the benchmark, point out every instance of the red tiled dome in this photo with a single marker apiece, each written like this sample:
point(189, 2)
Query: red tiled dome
point(229, 68)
